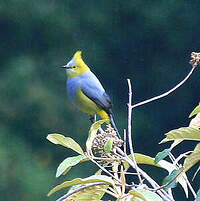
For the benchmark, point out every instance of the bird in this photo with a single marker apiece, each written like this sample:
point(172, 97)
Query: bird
point(86, 92)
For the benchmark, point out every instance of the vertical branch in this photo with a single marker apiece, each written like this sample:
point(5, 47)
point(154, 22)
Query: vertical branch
point(129, 129)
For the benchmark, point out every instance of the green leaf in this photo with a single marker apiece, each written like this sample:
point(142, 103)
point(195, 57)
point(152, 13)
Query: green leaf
point(195, 111)
point(68, 163)
point(92, 133)
point(65, 141)
point(108, 145)
point(184, 133)
point(161, 155)
point(169, 179)
point(90, 193)
point(198, 196)
point(193, 158)
point(144, 159)
point(91, 179)
point(135, 193)
point(195, 122)
point(146, 195)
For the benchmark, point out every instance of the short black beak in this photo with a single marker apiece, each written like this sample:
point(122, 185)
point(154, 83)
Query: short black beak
point(63, 66)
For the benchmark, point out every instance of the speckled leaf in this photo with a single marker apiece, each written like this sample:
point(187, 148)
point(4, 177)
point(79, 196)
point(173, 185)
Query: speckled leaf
point(184, 133)
point(92, 179)
point(90, 193)
point(195, 122)
point(65, 141)
point(193, 158)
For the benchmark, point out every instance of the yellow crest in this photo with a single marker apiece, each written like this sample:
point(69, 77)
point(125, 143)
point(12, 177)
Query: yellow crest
point(78, 58)
point(79, 66)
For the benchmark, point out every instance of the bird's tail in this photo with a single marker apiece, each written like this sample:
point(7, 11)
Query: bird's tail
point(114, 126)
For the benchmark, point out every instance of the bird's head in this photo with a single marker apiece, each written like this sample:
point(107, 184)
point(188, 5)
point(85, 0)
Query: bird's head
point(76, 66)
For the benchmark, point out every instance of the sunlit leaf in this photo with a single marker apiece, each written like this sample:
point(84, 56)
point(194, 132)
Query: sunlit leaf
point(108, 145)
point(92, 133)
point(69, 162)
point(135, 193)
point(184, 133)
point(92, 179)
point(141, 159)
point(171, 179)
point(193, 158)
point(90, 193)
point(195, 122)
point(144, 159)
point(146, 195)
point(195, 111)
point(65, 141)
point(161, 155)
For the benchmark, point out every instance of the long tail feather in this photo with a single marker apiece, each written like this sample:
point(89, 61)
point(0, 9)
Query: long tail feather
point(114, 126)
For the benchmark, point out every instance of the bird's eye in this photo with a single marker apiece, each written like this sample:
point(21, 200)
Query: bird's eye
point(73, 66)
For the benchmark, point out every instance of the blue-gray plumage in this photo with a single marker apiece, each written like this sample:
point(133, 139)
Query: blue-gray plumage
point(91, 87)
point(85, 90)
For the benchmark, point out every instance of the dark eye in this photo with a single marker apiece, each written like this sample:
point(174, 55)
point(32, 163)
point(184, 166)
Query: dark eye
point(73, 66)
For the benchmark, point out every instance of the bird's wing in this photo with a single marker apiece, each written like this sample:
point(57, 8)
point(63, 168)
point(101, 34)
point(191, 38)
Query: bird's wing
point(94, 91)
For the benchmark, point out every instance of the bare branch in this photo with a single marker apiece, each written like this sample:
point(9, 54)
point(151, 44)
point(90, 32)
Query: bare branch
point(166, 93)
point(129, 129)
point(104, 169)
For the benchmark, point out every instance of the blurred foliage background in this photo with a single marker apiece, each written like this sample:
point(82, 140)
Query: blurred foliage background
point(147, 41)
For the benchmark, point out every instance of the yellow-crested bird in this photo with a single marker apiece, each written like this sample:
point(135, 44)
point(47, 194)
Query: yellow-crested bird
point(86, 91)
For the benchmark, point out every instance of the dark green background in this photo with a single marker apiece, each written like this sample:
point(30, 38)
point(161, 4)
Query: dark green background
point(147, 41)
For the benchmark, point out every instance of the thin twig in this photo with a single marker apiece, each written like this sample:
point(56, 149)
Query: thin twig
point(110, 192)
point(129, 129)
point(190, 187)
point(168, 183)
point(161, 192)
point(166, 93)
point(175, 162)
point(105, 159)
point(124, 140)
point(131, 173)
point(104, 169)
